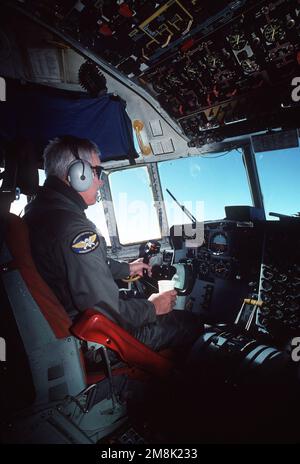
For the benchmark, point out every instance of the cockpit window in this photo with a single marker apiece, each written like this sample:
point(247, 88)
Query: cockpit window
point(134, 206)
point(204, 185)
point(95, 213)
point(279, 177)
point(18, 206)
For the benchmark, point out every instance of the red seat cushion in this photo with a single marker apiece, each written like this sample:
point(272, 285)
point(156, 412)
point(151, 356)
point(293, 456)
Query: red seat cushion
point(95, 327)
point(17, 240)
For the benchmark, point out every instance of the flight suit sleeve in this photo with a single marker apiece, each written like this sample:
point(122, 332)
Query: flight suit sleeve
point(119, 269)
point(91, 283)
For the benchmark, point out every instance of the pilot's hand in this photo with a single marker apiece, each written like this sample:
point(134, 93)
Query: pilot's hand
point(137, 267)
point(164, 301)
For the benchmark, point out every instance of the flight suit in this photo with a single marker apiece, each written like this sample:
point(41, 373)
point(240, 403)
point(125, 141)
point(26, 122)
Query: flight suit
point(71, 256)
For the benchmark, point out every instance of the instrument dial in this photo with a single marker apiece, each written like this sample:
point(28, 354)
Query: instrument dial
point(221, 268)
point(237, 41)
point(203, 268)
point(213, 61)
point(273, 32)
point(219, 243)
point(249, 66)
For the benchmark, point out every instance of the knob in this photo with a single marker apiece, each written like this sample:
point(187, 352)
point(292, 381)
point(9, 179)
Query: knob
point(278, 315)
point(282, 278)
point(266, 285)
point(268, 274)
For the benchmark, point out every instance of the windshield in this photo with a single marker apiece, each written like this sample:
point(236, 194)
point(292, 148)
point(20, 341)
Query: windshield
point(134, 205)
point(204, 185)
point(279, 177)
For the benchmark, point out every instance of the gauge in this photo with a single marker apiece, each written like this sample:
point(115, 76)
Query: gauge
point(203, 268)
point(192, 72)
point(268, 274)
point(249, 66)
point(273, 32)
point(221, 268)
point(237, 41)
point(219, 243)
point(213, 61)
point(278, 315)
point(266, 285)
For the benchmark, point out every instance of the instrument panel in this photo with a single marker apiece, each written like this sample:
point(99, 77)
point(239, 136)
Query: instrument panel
point(218, 68)
point(229, 251)
point(280, 281)
point(237, 260)
point(226, 267)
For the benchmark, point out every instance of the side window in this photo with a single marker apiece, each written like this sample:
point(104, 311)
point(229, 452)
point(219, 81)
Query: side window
point(94, 213)
point(18, 206)
point(134, 207)
point(279, 177)
point(42, 176)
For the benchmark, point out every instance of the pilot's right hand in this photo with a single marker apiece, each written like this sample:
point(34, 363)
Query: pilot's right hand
point(164, 301)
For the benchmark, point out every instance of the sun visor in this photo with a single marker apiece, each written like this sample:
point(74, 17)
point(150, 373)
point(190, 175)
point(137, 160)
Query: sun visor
point(41, 113)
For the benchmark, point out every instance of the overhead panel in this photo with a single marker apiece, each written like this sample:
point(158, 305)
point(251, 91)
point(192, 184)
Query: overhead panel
point(220, 69)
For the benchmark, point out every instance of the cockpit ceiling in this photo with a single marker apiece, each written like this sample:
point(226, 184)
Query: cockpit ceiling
point(220, 69)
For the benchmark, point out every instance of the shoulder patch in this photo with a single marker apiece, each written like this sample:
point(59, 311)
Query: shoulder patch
point(85, 242)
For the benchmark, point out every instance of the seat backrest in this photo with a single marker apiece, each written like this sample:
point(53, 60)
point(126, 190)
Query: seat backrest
point(41, 323)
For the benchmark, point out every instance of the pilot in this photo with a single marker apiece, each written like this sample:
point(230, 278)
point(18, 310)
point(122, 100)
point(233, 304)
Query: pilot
point(70, 252)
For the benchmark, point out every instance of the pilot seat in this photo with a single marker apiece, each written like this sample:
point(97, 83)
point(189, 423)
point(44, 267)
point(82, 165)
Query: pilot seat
point(47, 394)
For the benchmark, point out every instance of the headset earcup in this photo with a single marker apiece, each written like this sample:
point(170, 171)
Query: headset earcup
point(80, 175)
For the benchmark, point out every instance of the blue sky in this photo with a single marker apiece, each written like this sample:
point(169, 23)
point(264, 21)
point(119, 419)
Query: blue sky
point(279, 172)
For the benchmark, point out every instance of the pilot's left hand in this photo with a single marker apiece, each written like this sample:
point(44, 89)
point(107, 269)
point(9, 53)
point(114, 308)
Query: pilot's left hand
point(137, 267)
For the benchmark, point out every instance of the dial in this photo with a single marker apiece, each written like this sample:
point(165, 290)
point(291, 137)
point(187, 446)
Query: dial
point(221, 268)
point(203, 268)
point(273, 32)
point(219, 243)
point(237, 41)
point(249, 66)
point(213, 61)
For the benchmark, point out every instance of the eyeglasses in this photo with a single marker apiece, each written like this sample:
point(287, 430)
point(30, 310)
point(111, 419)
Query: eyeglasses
point(98, 170)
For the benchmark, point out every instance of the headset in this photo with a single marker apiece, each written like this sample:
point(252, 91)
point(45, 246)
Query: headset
point(80, 173)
